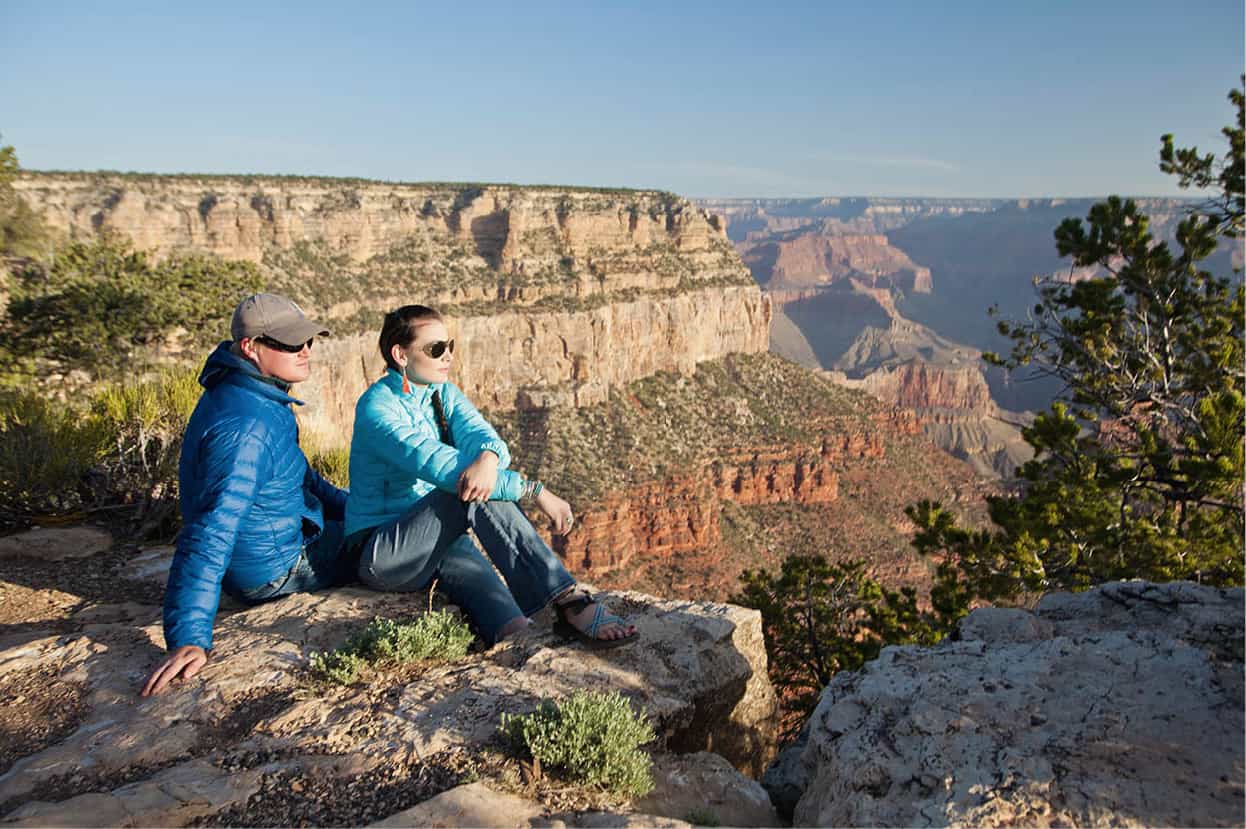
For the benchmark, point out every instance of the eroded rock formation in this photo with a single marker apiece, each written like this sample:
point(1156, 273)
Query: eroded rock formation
point(1119, 706)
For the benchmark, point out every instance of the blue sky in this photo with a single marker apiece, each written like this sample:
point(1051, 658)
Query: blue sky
point(1002, 98)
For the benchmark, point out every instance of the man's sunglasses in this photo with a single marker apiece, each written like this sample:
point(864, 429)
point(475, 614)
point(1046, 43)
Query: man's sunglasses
point(435, 350)
point(288, 349)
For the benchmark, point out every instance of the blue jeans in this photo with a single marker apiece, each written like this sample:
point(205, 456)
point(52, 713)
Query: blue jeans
point(430, 542)
point(323, 563)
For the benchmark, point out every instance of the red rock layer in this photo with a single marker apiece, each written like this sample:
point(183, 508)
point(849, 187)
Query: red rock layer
point(680, 516)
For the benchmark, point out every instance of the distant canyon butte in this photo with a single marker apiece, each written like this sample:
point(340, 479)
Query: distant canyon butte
point(714, 385)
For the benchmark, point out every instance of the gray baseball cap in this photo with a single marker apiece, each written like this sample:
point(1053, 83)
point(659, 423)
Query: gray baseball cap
point(269, 315)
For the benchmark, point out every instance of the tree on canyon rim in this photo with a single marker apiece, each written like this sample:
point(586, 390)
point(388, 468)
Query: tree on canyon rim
point(1138, 471)
point(21, 231)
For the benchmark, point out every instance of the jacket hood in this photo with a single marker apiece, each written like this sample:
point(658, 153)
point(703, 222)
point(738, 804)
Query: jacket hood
point(224, 366)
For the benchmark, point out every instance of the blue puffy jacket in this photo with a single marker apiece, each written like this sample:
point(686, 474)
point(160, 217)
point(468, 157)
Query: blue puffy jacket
point(397, 457)
point(249, 500)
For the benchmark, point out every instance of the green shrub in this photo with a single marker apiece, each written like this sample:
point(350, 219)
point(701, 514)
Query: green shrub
point(145, 421)
point(118, 448)
point(594, 737)
point(437, 635)
point(98, 303)
point(46, 447)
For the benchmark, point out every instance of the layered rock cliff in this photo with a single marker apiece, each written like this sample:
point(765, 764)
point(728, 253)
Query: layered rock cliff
point(683, 481)
point(793, 261)
point(557, 295)
point(858, 334)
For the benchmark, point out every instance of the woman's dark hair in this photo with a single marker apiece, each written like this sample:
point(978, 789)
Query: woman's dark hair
point(399, 329)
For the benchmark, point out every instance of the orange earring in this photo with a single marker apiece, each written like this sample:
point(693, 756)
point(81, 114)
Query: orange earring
point(406, 384)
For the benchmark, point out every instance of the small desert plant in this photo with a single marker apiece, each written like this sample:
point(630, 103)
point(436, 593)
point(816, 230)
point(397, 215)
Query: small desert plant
point(702, 817)
point(437, 635)
point(144, 421)
point(594, 737)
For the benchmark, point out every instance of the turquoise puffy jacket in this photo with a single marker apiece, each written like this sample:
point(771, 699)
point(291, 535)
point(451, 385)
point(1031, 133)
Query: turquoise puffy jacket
point(397, 457)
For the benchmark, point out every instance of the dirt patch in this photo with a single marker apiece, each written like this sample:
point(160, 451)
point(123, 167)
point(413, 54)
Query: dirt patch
point(37, 710)
point(318, 798)
point(22, 605)
point(93, 579)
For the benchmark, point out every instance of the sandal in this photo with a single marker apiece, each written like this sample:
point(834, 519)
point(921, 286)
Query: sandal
point(588, 636)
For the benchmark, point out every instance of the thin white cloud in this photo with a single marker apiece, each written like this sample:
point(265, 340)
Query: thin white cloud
point(741, 178)
point(831, 157)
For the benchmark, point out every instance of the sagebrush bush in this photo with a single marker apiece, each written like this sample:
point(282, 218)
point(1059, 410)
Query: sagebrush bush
point(594, 737)
point(437, 635)
point(145, 420)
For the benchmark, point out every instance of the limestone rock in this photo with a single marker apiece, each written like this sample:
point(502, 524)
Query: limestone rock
point(474, 804)
point(706, 784)
point(699, 673)
point(56, 543)
point(1122, 705)
point(150, 565)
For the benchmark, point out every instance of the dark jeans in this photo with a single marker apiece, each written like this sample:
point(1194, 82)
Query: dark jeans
point(430, 542)
point(323, 563)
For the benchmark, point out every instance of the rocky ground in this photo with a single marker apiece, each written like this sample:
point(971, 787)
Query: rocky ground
point(1120, 706)
point(257, 740)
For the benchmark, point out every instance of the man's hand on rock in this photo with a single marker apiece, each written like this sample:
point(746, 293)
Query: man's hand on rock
point(182, 663)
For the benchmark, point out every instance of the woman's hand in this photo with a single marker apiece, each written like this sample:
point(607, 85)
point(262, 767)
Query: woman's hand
point(477, 481)
point(183, 663)
point(558, 510)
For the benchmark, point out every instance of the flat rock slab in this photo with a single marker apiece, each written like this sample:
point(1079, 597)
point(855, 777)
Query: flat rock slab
point(1119, 706)
point(152, 564)
point(474, 804)
point(698, 673)
point(56, 543)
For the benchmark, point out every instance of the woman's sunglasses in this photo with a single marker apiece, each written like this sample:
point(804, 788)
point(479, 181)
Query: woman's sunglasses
point(435, 350)
point(288, 349)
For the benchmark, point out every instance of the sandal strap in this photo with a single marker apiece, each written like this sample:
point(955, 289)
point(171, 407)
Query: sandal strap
point(574, 605)
point(600, 619)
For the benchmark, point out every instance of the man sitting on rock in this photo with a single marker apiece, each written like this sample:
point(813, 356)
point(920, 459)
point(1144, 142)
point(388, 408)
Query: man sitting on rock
point(258, 521)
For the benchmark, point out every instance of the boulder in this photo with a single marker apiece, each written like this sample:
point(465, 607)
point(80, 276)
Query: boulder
point(56, 543)
point(705, 785)
point(1122, 705)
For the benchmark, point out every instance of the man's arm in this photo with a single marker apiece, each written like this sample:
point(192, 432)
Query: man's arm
point(234, 465)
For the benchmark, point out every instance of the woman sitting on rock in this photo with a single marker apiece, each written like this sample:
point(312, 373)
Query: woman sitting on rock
point(424, 467)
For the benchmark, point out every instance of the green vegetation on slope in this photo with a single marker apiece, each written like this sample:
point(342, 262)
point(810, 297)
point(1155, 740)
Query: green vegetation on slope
point(100, 305)
point(667, 425)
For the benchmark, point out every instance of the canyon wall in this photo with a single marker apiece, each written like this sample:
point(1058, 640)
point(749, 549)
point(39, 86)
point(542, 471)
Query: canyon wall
point(554, 295)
